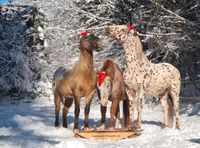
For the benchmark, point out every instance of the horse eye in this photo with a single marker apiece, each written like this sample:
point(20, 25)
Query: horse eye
point(123, 30)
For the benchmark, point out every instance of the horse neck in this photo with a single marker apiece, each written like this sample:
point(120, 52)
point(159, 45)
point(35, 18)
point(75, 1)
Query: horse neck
point(134, 53)
point(86, 60)
point(116, 71)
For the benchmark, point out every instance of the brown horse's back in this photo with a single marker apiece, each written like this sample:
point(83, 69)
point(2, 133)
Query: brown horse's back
point(118, 84)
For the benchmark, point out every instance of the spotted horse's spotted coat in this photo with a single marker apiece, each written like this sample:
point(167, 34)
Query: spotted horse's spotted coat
point(142, 77)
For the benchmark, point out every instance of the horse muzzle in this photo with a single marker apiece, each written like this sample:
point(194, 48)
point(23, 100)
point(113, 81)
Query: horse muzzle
point(106, 31)
point(104, 103)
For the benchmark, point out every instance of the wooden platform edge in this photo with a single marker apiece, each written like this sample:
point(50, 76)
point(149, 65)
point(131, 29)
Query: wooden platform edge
point(112, 135)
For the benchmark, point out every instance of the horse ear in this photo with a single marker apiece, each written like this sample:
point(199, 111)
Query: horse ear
point(135, 33)
point(132, 29)
point(128, 31)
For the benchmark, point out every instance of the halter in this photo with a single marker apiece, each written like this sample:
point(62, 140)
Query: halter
point(130, 27)
point(101, 77)
point(84, 34)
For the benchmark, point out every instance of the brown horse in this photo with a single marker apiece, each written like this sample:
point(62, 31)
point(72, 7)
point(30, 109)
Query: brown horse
point(76, 83)
point(112, 89)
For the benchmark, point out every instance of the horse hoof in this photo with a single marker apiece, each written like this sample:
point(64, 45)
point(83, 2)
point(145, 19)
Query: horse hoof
point(76, 130)
point(111, 128)
point(56, 125)
point(86, 129)
point(64, 125)
point(164, 126)
point(138, 127)
point(130, 127)
point(178, 127)
point(100, 129)
point(102, 126)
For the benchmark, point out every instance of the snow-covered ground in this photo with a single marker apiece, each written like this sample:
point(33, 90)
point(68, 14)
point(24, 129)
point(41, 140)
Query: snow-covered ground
point(30, 124)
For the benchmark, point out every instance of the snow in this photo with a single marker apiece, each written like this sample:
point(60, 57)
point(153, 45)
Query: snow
point(30, 123)
point(20, 69)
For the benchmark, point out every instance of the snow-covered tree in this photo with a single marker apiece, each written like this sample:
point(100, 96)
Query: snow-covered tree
point(20, 48)
point(170, 31)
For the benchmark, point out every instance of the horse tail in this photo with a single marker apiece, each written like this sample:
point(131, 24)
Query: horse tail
point(58, 75)
point(170, 110)
point(125, 112)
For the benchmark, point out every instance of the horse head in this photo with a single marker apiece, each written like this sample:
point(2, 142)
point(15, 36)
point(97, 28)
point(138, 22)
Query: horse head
point(120, 32)
point(108, 68)
point(90, 42)
point(105, 90)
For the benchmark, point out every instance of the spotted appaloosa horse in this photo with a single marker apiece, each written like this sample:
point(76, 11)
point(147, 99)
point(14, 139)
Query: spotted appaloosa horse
point(111, 87)
point(78, 82)
point(146, 78)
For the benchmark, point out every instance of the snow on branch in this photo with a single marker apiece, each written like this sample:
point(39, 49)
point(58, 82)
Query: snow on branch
point(173, 13)
point(20, 46)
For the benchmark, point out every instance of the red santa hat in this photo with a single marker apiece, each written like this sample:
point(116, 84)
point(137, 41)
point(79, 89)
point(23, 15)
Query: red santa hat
point(130, 27)
point(84, 34)
point(101, 77)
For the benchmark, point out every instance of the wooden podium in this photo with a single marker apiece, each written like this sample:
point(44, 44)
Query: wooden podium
point(106, 134)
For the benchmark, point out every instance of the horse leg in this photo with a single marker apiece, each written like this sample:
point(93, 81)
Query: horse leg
point(103, 111)
point(76, 112)
point(175, 98)
point(103, 116)
point(87, 108)
point(57, 100)
point(125, 113)
point(165, 106)
point(113, 110)
point(124, 119)
point(139, 107)
point(117, 117)
point(131, 97)
point(67, 105)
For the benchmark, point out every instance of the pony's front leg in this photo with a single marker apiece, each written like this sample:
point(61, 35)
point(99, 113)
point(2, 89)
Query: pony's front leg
point(117, 115)
point(67, 105)
point(87, 109)
point(131, 97)
point(76, 112)
point(103, 116)
point(139, 107)
point(113, 111)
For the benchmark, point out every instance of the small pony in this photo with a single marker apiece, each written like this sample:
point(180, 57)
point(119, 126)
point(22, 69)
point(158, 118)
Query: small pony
point(76, 83)
point(111, 87)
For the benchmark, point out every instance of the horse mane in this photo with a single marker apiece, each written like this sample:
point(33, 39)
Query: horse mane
point(109, 68)
point(139, 49)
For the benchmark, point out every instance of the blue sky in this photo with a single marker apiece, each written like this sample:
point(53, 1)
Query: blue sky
point(3, 1)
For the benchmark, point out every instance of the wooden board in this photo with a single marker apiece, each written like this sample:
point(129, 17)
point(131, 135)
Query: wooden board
point(106, 134)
